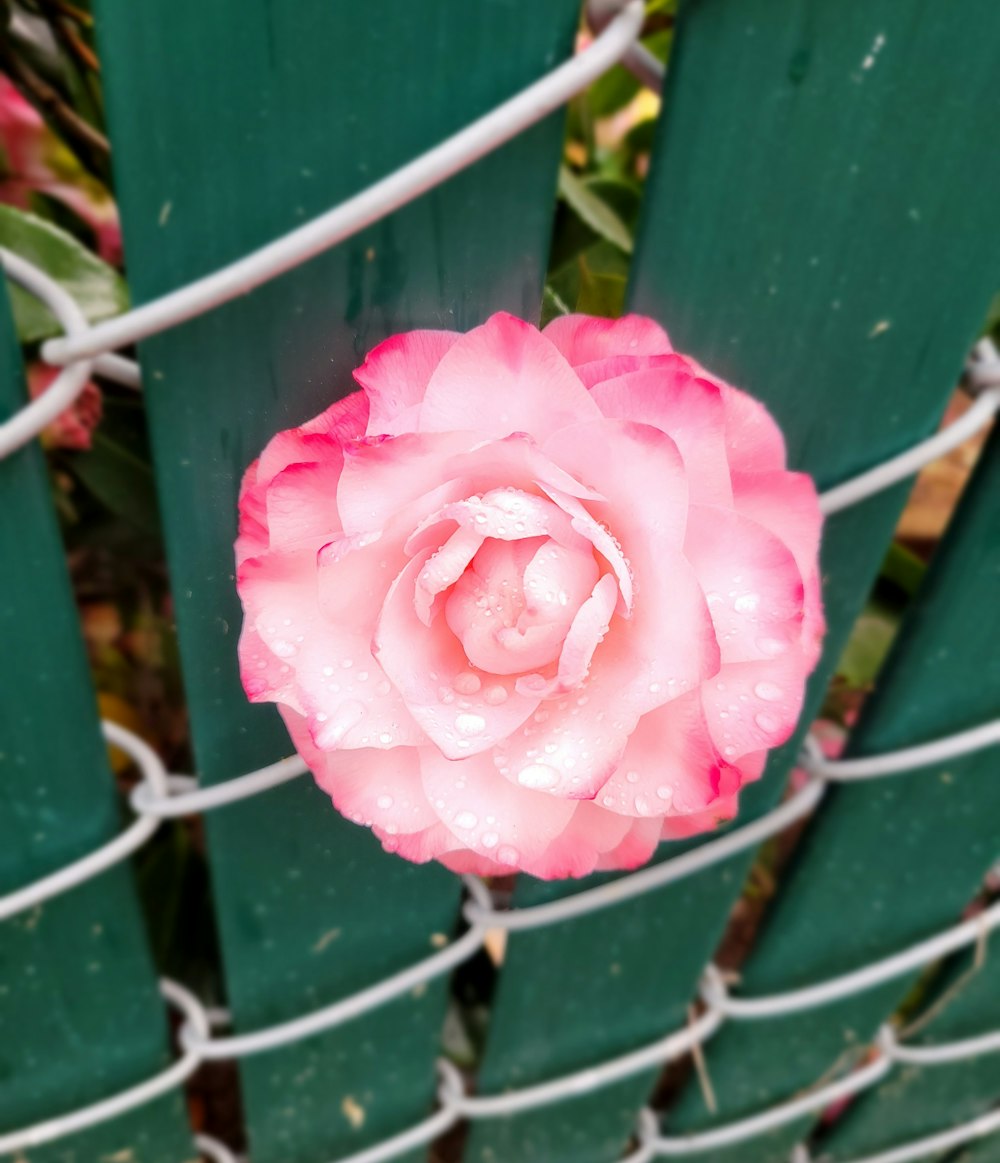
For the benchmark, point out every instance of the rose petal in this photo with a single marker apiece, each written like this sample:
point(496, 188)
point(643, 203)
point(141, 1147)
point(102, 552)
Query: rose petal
point(252, 538)
point(381, 476)
point(787, 504)
point(689, 410)
point(754, 440)
point(301, 504)
point(636, 468)
point(510, 825)
point(508, 377)
point(512, 610)
point(752, 706)
point(722, 810)
point(342, 422)
point(430, 671)
point(345, 419)
point(585, 633)
point(583, 338)
point(366, 785)
point(395, 376)
point(637, 846)
point(330, 674)
point(751, 582)
point(668, 765)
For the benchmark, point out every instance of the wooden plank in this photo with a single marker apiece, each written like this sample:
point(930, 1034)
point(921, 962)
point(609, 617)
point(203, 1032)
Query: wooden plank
point(885, 863)
point(798, 239)
point(80, 1013)
point(924, 1100)
point(264, 115)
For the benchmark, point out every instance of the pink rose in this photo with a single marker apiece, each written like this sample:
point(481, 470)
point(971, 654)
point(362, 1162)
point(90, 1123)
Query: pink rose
point(531, 600)
point(72, 428)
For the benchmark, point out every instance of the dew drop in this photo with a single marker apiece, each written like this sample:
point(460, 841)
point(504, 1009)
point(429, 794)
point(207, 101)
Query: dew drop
point(768, 691)
point(490, 840)
point(385, 737)
point(632, 776)
point(771, 647)
point(537, 776)
point(328, 670)
point(384, 687)
point(469, 724)
point(665, 793)
point(507, 854)
point(467, 683)
point(466, 820)
point(384, 801)
point(746, 603)
point(767, 723)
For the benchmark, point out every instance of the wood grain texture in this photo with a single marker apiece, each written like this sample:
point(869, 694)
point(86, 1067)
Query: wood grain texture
point(233, 122)
point(80, 1013)
point(798, 238)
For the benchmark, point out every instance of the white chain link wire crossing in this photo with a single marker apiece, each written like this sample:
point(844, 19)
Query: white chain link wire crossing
point(85, 349)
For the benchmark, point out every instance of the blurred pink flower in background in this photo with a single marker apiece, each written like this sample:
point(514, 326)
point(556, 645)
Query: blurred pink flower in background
point(35, 160)
point(73, 428)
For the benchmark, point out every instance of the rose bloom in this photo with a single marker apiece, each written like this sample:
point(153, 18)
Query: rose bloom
point(531, 600)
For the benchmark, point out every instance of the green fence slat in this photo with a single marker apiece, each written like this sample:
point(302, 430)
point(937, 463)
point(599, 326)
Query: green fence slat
point(80, 1013)
point(231, 124)
point(922, 1100)
point(797, 238)
point(884, 863)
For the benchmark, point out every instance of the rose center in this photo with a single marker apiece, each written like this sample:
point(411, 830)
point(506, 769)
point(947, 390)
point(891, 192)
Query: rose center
point(512, 607)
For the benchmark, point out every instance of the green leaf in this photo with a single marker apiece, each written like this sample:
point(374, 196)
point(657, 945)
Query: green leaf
point(903, 569)
point(98, 289)
point(118, 476)
point(867, 647)
point(594, 210)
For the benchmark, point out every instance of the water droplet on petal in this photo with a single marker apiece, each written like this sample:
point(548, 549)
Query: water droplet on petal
point(466, 820)
point(467, 683)
point(507, 854)
point(469, 724)
point(384, 801)
point(771, 647)
point(665, 793)
point(495, 695)
point(537, 776)
point(767, 723)
point(768, 691)
point(746, 603)
point(632, 776)
point(489, 840)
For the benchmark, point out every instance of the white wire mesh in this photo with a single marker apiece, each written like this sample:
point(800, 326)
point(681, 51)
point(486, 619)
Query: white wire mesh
point(86, 349)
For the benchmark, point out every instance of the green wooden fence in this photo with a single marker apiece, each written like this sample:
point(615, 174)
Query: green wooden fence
point(818, 226)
